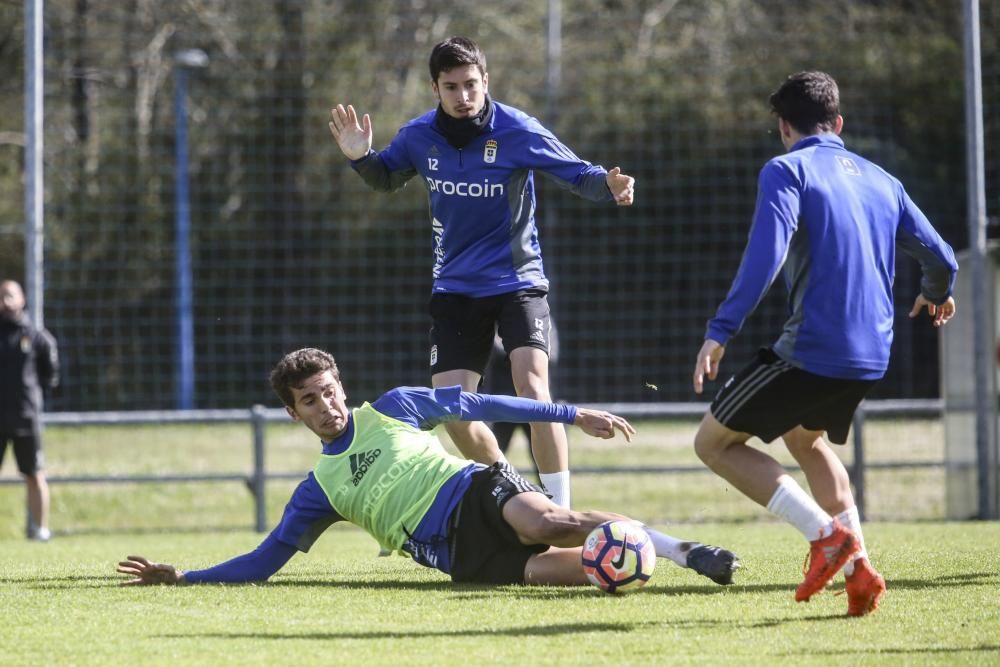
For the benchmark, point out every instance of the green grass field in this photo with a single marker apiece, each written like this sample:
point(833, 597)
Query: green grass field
point(697, 497)
point(340, 604)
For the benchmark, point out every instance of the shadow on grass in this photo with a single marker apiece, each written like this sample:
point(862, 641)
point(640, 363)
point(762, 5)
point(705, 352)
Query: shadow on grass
point(69, 580)
point(117, 531)
point(910, 650)
point(518, 632)
point(475, 591)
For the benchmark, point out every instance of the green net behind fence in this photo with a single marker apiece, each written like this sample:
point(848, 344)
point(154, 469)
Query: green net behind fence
point(289, 247)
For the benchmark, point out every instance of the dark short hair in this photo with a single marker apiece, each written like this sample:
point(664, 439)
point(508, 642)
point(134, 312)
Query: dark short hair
point(809, 101)
point(456, 52)
point(297, 367)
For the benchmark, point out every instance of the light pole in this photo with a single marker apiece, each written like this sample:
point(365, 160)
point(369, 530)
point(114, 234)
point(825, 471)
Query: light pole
point(183, 61)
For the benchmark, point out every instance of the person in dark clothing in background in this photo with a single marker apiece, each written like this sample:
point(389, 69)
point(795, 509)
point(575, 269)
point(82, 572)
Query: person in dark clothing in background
point(29, 367)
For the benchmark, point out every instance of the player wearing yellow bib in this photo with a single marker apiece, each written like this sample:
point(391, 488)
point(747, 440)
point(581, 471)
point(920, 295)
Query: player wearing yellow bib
point(381, 470)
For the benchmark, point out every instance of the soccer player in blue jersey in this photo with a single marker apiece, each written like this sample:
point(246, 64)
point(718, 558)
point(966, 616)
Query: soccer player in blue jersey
point(476, 157)
point(382, 470)
point(833, 221)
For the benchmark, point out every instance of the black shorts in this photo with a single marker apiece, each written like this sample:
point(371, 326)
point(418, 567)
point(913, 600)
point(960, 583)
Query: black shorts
point(484, 548)
point(27, 447)
point(463, 327)
point(770, 397)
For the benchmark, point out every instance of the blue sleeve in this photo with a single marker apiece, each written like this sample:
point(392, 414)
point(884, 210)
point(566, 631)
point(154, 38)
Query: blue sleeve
point(917, 238)
point(548, 155)
point(775, 221)
point(489, 407)
point(421, 407)
point(389, 169)
point(307, 514)
point(426, 408)
point(258, 565)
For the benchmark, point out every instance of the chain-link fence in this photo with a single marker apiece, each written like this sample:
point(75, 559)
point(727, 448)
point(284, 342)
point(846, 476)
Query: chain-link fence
point(289, 248)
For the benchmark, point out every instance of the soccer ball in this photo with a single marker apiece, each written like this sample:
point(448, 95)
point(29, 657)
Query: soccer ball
point(618, 556)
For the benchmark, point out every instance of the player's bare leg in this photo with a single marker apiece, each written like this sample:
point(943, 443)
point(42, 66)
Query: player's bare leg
point(538, 520)
point(555, 567)
point(831, 487)
point(726, 452)
point(474, 439)
point(530, 371)
point(762, 479)
point(38, 503)
point(828, 479)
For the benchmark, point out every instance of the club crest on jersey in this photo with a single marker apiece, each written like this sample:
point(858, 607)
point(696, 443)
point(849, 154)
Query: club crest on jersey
point(490, 152)
point(847, 164)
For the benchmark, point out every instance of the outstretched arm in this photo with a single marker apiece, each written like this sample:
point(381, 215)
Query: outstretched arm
point(307, 514)
point(598, 423)
point(426, 408)
point(258, 565)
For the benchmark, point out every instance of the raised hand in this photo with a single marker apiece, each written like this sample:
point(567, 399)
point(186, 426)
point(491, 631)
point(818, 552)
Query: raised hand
point(602, 424)
point(354, 139)
point(146, 573)
point(621, 186)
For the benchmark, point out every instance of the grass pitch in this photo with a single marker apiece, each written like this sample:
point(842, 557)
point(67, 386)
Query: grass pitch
point(340, 604)
point(60, 603)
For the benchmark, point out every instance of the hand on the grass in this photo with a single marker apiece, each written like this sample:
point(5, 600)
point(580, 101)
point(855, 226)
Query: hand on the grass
point(707, 363)
point(146, 573)
point(354, 139)
point(602, 424)
point(941, 313)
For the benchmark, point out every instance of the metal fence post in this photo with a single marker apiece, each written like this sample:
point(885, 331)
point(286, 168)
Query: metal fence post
point(858, 469)
point(259, 420)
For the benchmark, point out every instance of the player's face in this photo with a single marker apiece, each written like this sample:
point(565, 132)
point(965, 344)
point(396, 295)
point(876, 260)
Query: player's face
point(462, 91)
point(11, 300)
point(320, 405)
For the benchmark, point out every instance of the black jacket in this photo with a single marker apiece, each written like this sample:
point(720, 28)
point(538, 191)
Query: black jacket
point(29, 366)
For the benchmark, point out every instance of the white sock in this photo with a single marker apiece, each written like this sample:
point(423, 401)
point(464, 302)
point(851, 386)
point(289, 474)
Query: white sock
point(501, 458)
point(670, 547)
point(557, 484)
point(850, 519)
point(797, 507)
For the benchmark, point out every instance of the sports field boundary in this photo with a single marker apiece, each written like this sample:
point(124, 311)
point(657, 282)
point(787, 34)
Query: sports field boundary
point(258, 416)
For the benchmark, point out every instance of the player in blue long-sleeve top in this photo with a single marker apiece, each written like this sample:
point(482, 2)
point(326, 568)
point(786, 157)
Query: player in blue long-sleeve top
point(831, 220)
point(382, 470)
point(477, 157)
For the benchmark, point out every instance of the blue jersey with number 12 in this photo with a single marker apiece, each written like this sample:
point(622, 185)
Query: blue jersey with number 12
point(482, 196)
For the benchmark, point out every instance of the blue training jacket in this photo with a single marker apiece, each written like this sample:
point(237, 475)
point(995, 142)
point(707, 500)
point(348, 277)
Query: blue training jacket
point(833, 219)
point(482, 196)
